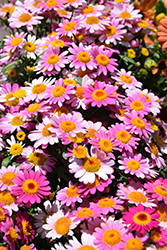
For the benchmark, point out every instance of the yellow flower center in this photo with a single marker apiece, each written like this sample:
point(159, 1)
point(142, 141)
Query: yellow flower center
point(85, 212)
point(99, 94)
point(78, 138)
point(80, 152)
point(60, 111)
point(155, 235)
point(58, 91)
point(2, 216)
point(16, 149)
point(45, 131)
point(29, 47)
point(19, 93)
point(16, 41)
point(88, 9)
point(86, 247)
point(79, 92)
point(133, 165)
point(11, 100)
point(111, 237)
point(137, 197)
point(62, 12)
point(158, 139)
point(69, 82)
point(134, 244)
point(39, 88)
point(12, 72)
point(33, 108)
point(5, 9)
point(25, 247)
point(51, 3)
point(139, 123)
point(62, 225)
point(53, 59)
point(7, 178)
point(91, 164)
point(110, 31)
point(137, 105)
point(160, 190)
point(27, 228)
point(7, 198)
point(94, 184)
point(37, 158)
point(71, 1)
point(142, 218)
point(83, 57)
point(106, 203)
point(102, 59)
point(58, 42)
point(67, 126)
point(91, 133)
point(126, 79)
point(72, 191)
point(147, 97)
point(12, 235)
point(125, 14)
point(30, 187)
point(69, 26)
point(21, 135)
point(35, 4)
point(163, 214)
point(92, 20)
point(80, 36)
point(143, 24)
point(123, 136)
point(154, 149)
point(25, 17)
point(17, 121)
point(106, 145)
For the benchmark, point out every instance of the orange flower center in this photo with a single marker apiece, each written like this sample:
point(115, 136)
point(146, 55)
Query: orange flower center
point(30, 187)
point(25, 17)
point(7, 178)
point(83, 57)
point(102, 59)
point(7, 198)
point(123, 136)
point(111, 237)
point(92, 20)
point(69, 26)
point(62, 225)
point(133, 165)
point(137, 197)
point(72, 191)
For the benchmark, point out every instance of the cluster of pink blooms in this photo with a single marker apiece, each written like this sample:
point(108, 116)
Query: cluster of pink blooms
point(81, 141)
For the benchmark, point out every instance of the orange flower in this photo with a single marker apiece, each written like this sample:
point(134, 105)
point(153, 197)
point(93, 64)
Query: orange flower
point(163, 33)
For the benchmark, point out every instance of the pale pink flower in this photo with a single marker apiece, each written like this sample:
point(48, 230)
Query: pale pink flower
point(68, 28)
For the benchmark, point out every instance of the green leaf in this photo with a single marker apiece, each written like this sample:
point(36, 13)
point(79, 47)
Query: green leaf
point(78, 79)
point(160, 8)
point(6, 161)
point(9, 66)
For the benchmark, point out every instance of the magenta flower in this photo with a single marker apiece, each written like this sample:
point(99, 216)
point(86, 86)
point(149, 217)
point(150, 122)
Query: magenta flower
point(141, 219)
point(30, 187)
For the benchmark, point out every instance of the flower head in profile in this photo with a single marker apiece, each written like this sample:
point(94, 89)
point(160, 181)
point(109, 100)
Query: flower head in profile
point(141, 219)
point(30, 187)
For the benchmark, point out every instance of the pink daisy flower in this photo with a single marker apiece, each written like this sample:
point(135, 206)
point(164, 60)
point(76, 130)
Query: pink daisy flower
point(138, 103)
point(68, 28)
point(157, 189)
point(35, 109)
point(81, 58)
point(52, 60)
point(86, 242)
point(135, 196)
point(8, 94)
point(67, 125)
point(4, 10)
point(100, 94)
point(59, 92)
point(59, 224)
point(109, 235)
point(135, 123)
point(159, 236)
point(27, 229)
point(7, 174)
point(126, 80)
point(69, 195)
point(37, 158)
point(135, 164)
point(106, 205)
point(30, 187)
point(113, 33)
point(156, 155)
point(162, 210)
point(41, 135)
point(131, 242)
point(123, 139)
point(84, 213)
point(96, 165)
point(36, 90)
point(73, 3)
point(103, 60)
point(54, 41)
point(49, 5)
point(41, 216)
point(141, 219)
point(14, 42)
point(9, 201)
point(89, 10)
point(93, 24)
point(22, 17)
point(14, 122)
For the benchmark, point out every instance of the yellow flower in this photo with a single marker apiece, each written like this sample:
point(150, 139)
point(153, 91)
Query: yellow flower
point(144, 51)
point(131, 53)
point(12, 72)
